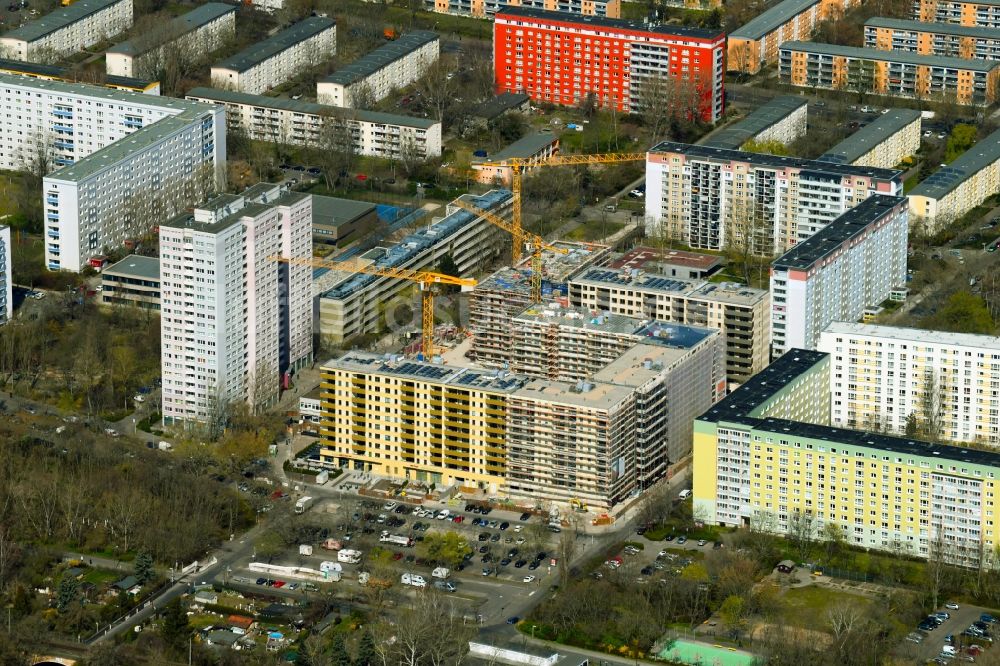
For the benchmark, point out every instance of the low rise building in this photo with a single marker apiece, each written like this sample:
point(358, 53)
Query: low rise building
point(981, 13)
point(500, 105)
point(767, 457)
point(534, 147)
point(134, 281)
point(889, 379)
point(670, 263)
point(67, 75)
point(270, 63)
point(299, 123)
point(884, 143)
point(234, 320)
point(893, 73)
point(337, 221)
point(783, 119)
point(955, 189)
point(197, 32)
point(488, 8)
point(353, 304)
point(496, 299)
point(756, 44)
point(713, 198)
point(741, 313)
point(849, 265)
point(67, 30)
point(375, 75)
point(940, 39)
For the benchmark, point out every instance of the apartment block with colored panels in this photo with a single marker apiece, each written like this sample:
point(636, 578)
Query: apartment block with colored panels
point(982, 13)
point(883, 143)
point(940, 39)
point(766, 456)
point(953, 190)
point(562, 59)
point(488, 8)
point(849, 265)
point(755, 44)
point(892, 73)
point(709, 197)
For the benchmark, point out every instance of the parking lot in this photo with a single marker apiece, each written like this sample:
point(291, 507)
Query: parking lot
point(949, 635)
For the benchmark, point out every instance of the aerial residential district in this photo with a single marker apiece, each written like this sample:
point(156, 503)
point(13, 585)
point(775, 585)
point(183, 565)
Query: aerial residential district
point(479, 332)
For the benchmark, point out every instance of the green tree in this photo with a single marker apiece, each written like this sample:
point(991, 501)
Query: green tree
point(961, 139)
point(963, 312)
point(144, 568)
point(175, 629)
point(366, 656)
point(770, 147)
point(733, 612)
point(338, 650)
point(444, 547)
point(448, 266)
point(269, 546)
point(67, 593)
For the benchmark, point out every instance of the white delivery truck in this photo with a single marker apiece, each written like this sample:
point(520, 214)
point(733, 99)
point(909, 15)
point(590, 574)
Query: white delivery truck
point(305, 549)
point(322, 478)
point(303, 504)
point(397, 539)
point(348, 556)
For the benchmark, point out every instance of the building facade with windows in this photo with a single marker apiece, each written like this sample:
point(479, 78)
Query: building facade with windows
point(955, 189)
point(782, 119)
point(134, 281)
point(893, 73)
point(766, 456)
point(741, 313)
point(941, 39)
point(7, 287)
point(199, 31)
point(375, 75)
point(534, 147)
point(849, 265)
point(883, 143)
point(561, 59)
point(67, 30)
point(981, 13)
point(269, 63)
point(125, 161)
point(489, 8)
point(299, 123)
point(66, 75)
point(233, 320)
point(713, 198)
point(890, 376)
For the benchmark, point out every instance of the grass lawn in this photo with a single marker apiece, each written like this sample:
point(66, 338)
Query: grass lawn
point(99, 576)
point(807, 607)
point(593, 230)
point(911, 182)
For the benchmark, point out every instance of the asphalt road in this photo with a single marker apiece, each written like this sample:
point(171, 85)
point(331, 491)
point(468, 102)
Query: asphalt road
point(958, 622)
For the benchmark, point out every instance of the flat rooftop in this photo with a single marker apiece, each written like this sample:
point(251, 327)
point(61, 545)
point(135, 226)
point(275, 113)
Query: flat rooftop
point(34, 69)
point(735, 135)
point(500, 104)
point(254, 55)
point(334, 211)
point(389, 365)
point(940, 183)
point(774, 161)
point(771, 19)
point(58, 19)
point(216, 95)
point(615, 24)
point(865, 139)
point(721, 292)
point(525, 147)
point(833, 236)
point(905, 57)
point(187, 220)
point(557, 268)
point(588, 395)
point(904, 25)
point(639, 257)
point(136, 266)
point(640, 364)
point(739, 406)
point(179, 26)
point(904, 334)
point(381, 57)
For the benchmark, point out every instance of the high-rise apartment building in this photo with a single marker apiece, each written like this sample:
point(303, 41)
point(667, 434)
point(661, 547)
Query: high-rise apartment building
point(849, 265)
point(375, 75)
point(233, 319)
point(766, 456)
point(886, 378)
point(712, 198)
point(741, 313)
point(67, 30)
point(269, 63)
point(128, 160)
point(563, 59)
point(981, 13)
point(891, 73)
point(199, 31)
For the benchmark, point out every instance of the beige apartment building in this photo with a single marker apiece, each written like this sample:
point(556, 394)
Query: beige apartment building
point(883, 143)
point(941, 39)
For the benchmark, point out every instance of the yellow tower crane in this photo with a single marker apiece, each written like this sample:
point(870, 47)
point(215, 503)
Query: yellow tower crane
point(520, 237)
point(517, 165)
point(426, 280)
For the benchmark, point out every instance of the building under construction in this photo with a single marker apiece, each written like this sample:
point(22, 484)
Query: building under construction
point(496, 299)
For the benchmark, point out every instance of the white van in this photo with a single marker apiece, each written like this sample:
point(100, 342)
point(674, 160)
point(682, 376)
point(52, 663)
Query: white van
point(444, 513)
point(415, 580)
point(684, 494)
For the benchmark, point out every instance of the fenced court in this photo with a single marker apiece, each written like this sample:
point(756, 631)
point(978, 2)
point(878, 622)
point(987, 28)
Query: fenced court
point(702, 654)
